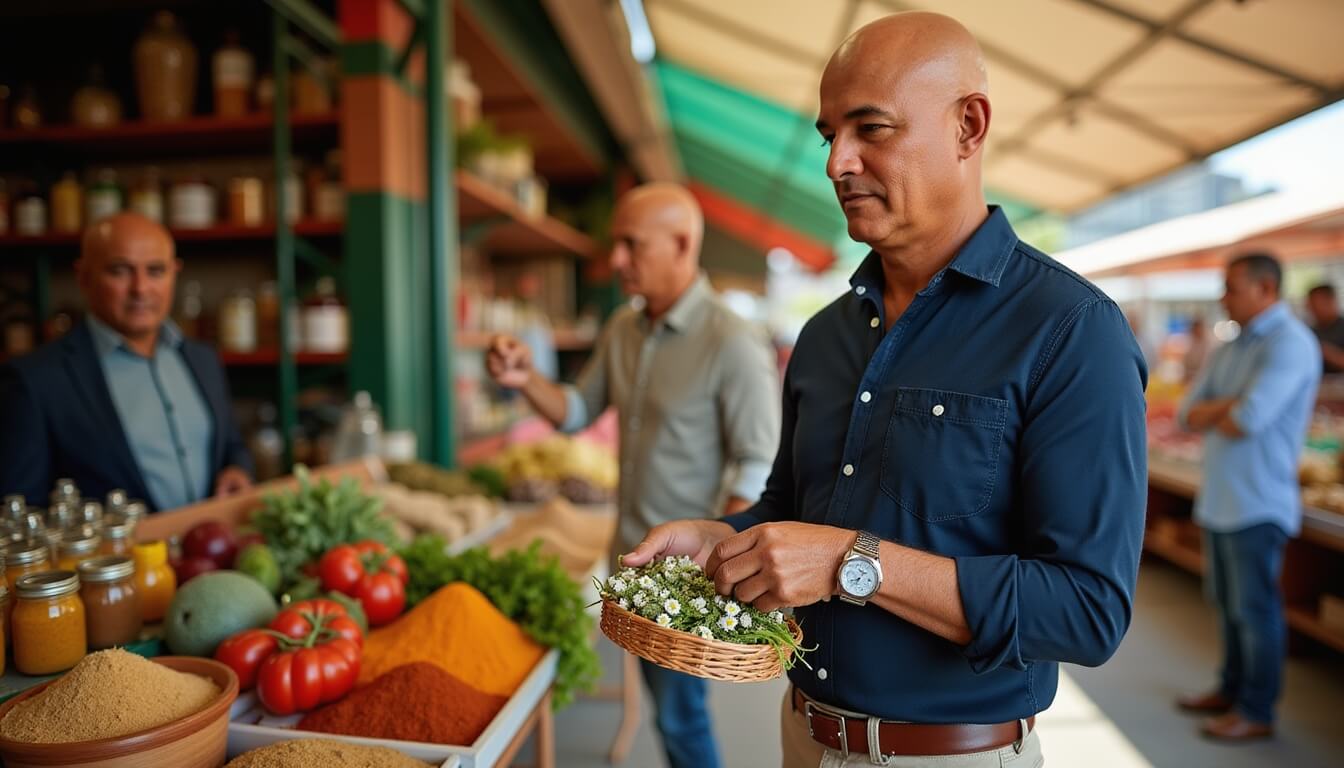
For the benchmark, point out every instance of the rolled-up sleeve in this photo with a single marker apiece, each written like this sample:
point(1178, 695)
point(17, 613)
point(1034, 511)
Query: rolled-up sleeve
point(1067, 593)
point(586, 398)
point(749, 411)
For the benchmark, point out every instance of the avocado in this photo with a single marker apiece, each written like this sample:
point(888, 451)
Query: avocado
point(213, 606)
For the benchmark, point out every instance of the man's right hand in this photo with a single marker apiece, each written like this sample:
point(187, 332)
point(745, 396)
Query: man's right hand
point(695, 538)
point(509, 362)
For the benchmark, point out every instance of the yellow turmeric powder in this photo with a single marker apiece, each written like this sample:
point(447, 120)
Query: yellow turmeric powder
point(458, 629)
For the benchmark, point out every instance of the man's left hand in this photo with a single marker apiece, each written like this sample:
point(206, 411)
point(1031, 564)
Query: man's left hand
point(232, 481)
point(780, 565)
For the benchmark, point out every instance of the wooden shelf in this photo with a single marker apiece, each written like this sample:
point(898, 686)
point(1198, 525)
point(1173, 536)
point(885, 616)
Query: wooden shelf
point(517, 232)
point(1173, 551)
point(1304, 620)
point(264, 357)
point(221, 233)
point(207, 134)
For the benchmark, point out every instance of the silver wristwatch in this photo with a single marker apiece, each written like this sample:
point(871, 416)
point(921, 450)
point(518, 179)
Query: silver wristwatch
point(860, 573)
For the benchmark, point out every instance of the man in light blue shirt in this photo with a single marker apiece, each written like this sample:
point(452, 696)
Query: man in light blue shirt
point(1253, 402)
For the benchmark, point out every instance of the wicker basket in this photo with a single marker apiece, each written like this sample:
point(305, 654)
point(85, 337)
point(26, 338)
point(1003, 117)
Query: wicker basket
point(692, 654)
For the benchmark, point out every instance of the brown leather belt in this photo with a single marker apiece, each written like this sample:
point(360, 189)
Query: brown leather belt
point(849, 735)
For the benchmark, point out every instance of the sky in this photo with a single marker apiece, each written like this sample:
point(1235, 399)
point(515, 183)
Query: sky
point(1307, 152)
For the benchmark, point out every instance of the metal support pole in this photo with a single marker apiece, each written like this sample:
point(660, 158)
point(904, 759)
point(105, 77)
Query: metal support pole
point(284, 235)
point(443, 264)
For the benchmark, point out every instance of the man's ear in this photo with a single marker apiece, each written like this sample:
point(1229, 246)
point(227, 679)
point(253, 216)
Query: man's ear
point(973, 124)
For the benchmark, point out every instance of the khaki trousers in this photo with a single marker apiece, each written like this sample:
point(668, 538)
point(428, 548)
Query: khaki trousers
point(800, 751)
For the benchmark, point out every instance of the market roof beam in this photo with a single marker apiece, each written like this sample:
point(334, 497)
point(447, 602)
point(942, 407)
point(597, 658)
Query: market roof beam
point(307, 17)
point(1321, 89)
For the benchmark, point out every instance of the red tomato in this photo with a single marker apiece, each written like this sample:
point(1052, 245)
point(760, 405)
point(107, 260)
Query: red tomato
point(341, 568)
point(383, 597)
point(296, 621)
point(244, 653)
point(303, 679)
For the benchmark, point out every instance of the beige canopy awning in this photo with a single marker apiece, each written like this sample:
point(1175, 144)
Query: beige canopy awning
point(1090, 96)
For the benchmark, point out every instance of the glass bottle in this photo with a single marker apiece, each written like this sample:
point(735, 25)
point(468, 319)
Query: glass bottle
point(238, 322)
point(95, 105)
point(154, 579)
point(118, 537)
point(48, 623)
point(104, 196)
point(326, 326)
point(30, 215)
point(165, 70)
point(233, 76)
point(67, 204)
point(147, 195)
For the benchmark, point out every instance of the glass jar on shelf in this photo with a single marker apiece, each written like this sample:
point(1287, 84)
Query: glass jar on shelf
point(246, 203)
point(190, 309)
point(238, 322)
point(48, 623)
point(326, 324)
point(104, 196)
point(191, 204)
point(233, 70)
point(268, 316)
point(30, 215)
point(77, 546)
point(118, 537)
point(95, 105)
point(67, 204)
point(111, 603)
point(146, 196)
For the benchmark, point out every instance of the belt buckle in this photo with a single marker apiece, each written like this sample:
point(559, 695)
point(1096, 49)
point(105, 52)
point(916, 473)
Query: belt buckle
point(809, 707)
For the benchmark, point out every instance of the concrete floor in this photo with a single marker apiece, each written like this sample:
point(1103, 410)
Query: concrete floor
point(1117, 716)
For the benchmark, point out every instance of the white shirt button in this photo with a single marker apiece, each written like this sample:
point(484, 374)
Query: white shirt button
point(848, 470)
point(866, 397)
point(938, 410)
point(860, 290)
point(822, 674)
point(874, 323)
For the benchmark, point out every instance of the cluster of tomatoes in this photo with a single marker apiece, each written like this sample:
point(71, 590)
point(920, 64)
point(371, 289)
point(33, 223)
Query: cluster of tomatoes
point(309, 654)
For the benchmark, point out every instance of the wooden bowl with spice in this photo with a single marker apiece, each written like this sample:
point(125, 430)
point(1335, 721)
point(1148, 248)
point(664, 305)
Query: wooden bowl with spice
point(195, 740)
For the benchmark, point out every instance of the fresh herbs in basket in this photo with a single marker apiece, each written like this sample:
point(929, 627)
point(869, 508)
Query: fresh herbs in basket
point(675, 594)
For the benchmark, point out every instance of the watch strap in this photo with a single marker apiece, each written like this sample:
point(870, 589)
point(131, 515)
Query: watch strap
point(868, 545)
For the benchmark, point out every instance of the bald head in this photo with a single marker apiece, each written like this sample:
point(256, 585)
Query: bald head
point(657, 230)
point(905, 107)
point(127, 272)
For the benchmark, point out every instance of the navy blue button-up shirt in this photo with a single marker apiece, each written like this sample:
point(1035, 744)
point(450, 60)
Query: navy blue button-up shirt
point(999, 422)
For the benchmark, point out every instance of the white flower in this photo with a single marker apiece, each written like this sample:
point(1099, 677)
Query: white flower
point(640, 599)
point(647, 582)
point(688, 575)
point(629, 574)
point(718, 599)
point(732, 608)
point(728, 623)
point(625, 604)
point(700, 605)
point(617, 584)
point(704, 632)
point(670, 565)
point(746, 621)
point(664, 620)
point(686, 561)
point(666, 593)
point(777, 616)
point(672, 607)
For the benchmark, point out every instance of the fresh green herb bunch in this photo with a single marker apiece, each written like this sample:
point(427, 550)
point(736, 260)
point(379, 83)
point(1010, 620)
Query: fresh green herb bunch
point(301, 525)
point(675, 593)
point(530, 589)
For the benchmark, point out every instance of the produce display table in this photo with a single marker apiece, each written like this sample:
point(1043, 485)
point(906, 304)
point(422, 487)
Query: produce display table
point(1311, 563)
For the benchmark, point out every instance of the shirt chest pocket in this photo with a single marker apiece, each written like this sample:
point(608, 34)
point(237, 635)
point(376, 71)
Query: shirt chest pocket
point(940, 458)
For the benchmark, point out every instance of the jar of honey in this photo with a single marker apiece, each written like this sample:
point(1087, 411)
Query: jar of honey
point(111, 604)
point(77, 547)
point(154, 579)
point(117, 534)
point(48, 623)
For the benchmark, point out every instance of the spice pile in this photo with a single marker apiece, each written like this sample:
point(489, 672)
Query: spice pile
point(322, 753)
point(108, 694)
point(459, 630)
point(414, 702)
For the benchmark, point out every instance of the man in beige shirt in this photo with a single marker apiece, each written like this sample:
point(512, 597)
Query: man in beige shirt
point(697, 393)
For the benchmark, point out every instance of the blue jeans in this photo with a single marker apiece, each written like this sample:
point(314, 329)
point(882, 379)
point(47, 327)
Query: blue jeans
point(681, 711)
point(1243, 579)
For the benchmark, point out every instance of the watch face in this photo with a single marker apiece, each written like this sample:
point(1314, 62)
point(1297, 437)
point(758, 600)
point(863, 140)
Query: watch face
point(859, 577)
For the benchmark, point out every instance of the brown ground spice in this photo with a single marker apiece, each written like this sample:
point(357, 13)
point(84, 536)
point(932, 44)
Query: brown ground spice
point(108, 694)
point(322, 753)
point(414, 702)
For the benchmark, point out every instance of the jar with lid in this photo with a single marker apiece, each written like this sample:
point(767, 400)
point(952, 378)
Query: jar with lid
point(326, 326)
point(22, 559)
point(147, 196)
point(233, 75)
point(247, 202)
point(118, 533)
point(104, 196)
point(112, 612)
point(34, 526)
point(30, 215)
point(135, 510)
point(64, 489)
point(191, 204)
point(165, 70)
point(91, 514)
point(76, 547)
point(95, 105)
point(61, 513)
point(48, 623)
point(16, 506)
point(328, 201)
point(154, 579)
point(67, 204)
point(238, 322)
point(116, 501)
